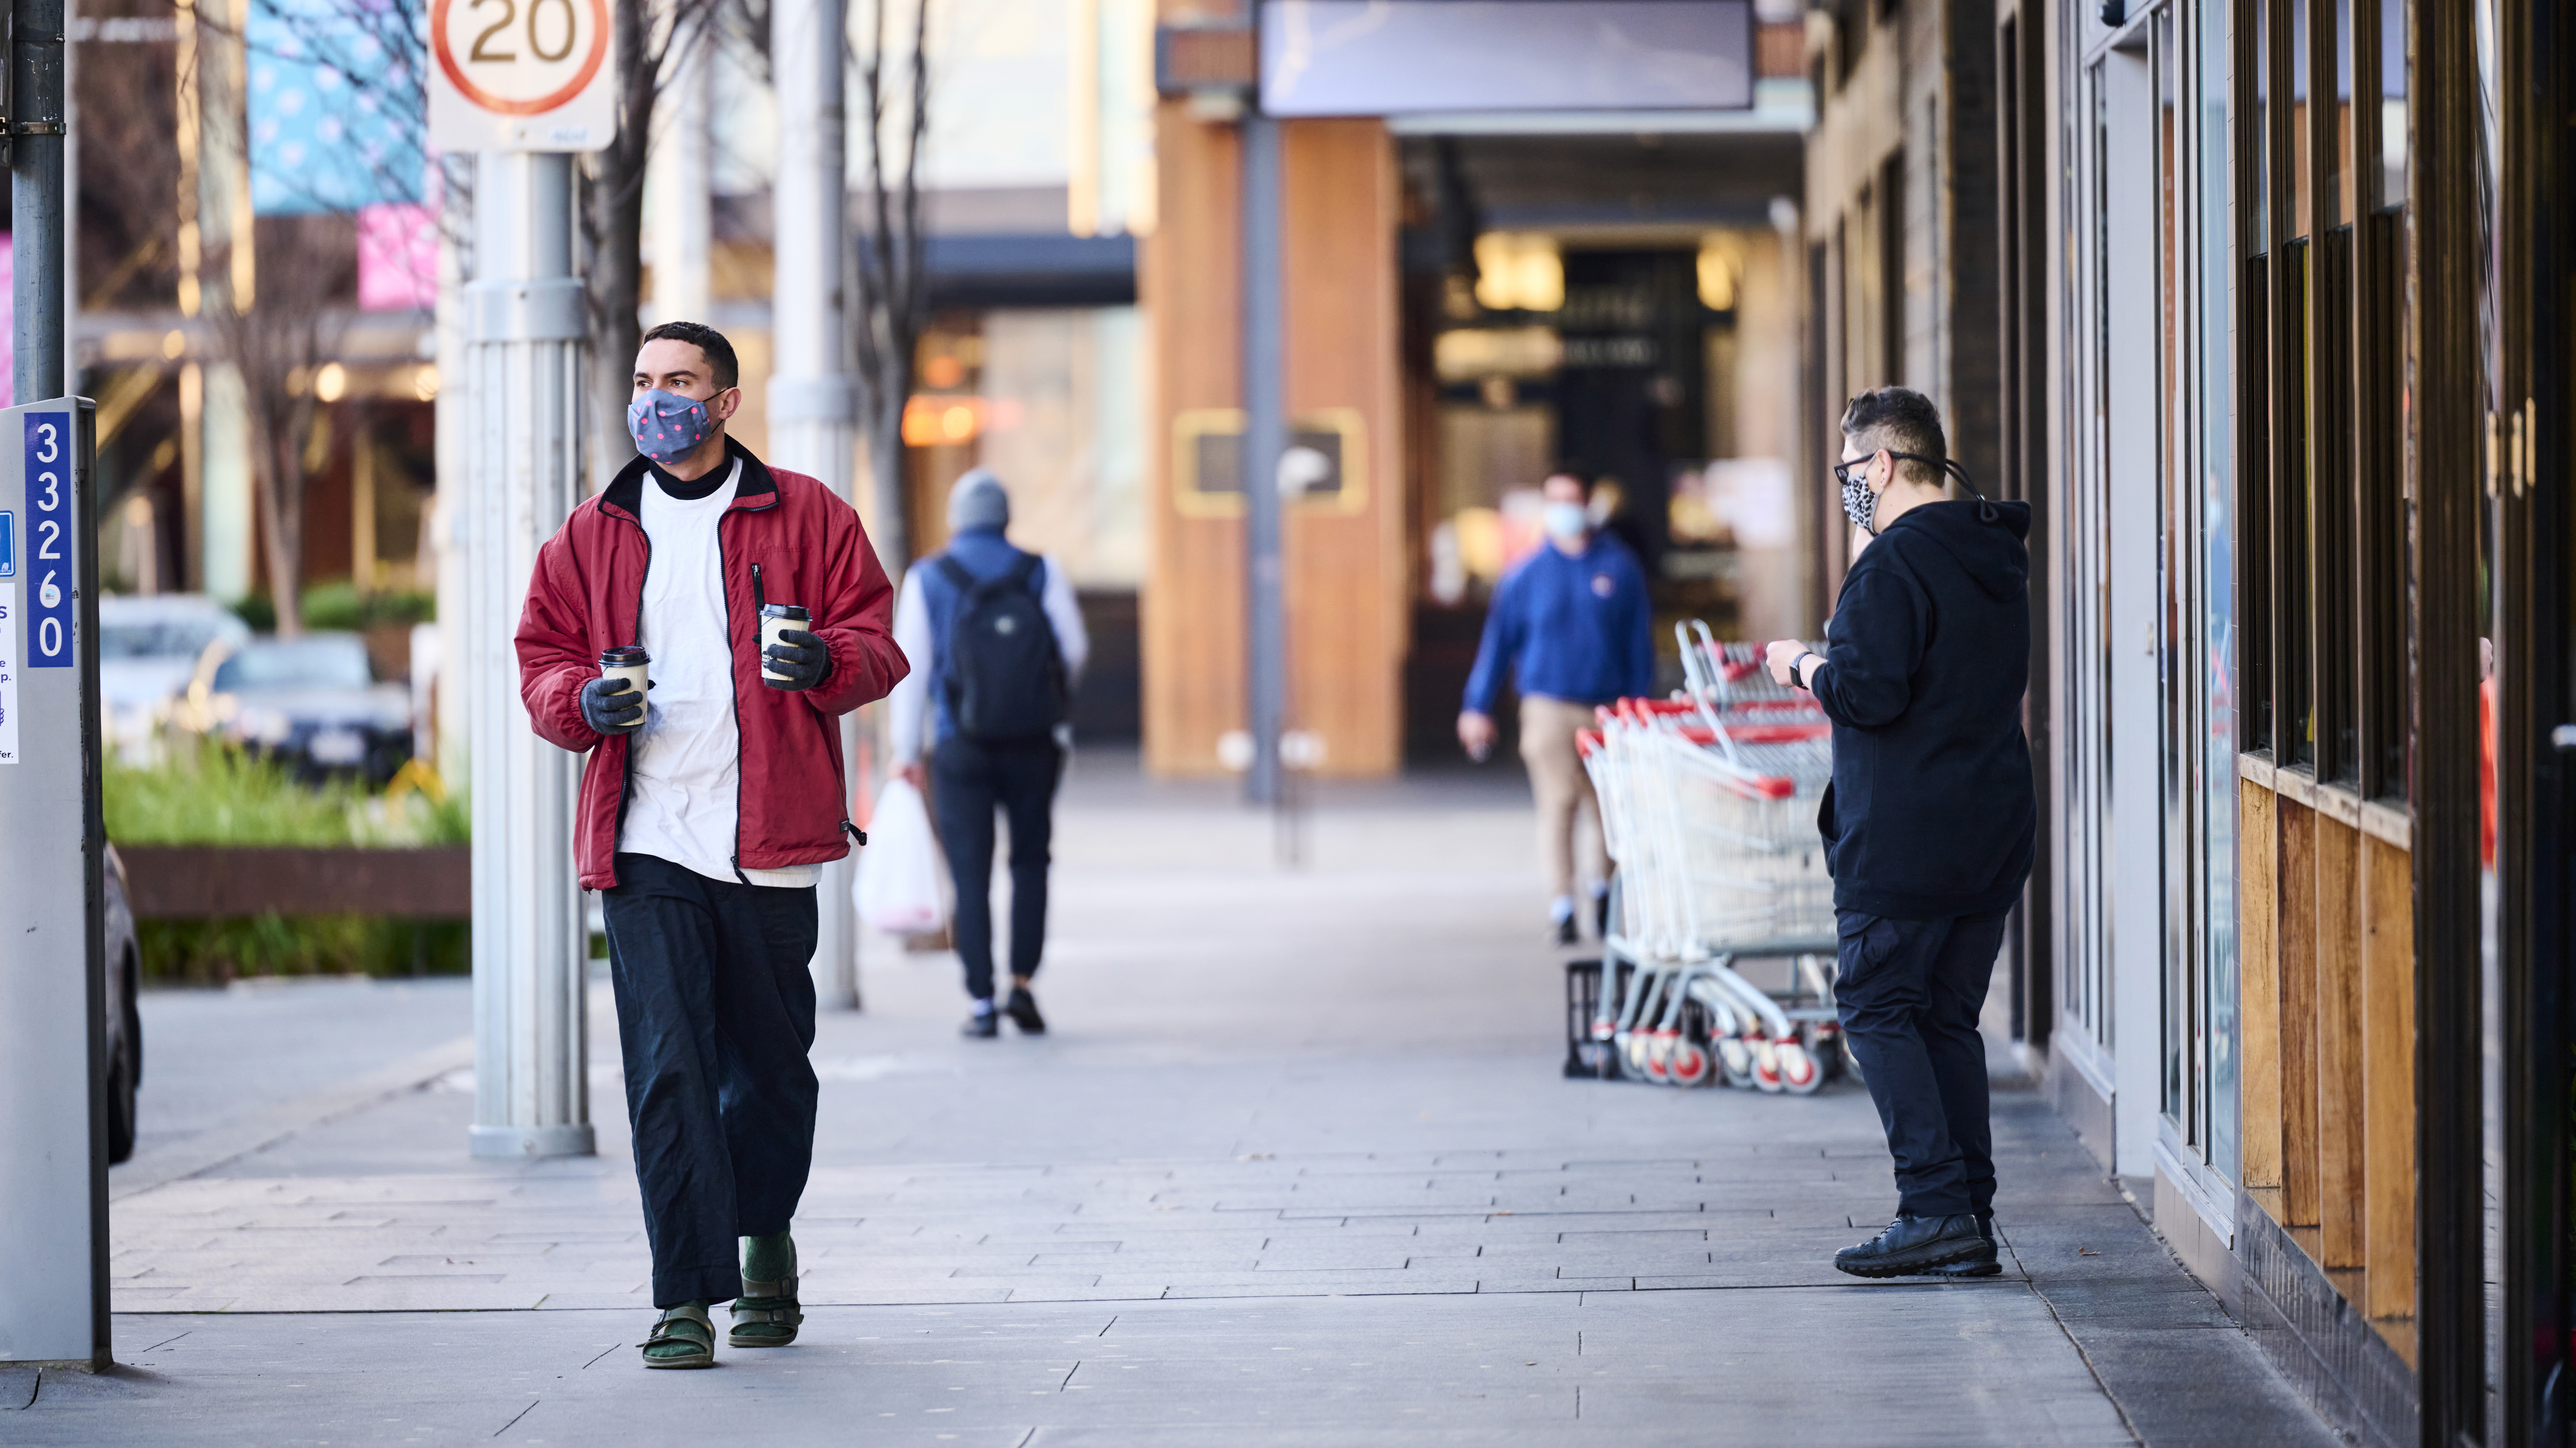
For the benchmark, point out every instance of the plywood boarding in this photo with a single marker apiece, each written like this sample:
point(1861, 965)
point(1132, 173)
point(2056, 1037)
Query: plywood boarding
point(1347, 569)
point(2258, 861)
point(1192, 605)
point(2296, 885)
point(2341, 1111)
point(2388, 1082)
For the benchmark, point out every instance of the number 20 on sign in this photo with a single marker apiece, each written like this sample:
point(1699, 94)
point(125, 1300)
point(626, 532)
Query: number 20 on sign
point(522, 75)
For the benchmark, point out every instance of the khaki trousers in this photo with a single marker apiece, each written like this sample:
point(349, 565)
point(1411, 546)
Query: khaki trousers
point(1564, 791)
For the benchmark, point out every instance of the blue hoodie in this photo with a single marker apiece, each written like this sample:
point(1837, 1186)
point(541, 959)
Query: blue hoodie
point(1573, 627)
point(1931, 812)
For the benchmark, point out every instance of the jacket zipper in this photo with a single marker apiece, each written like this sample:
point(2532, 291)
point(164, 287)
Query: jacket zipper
point(626, 774)
point(733, 677)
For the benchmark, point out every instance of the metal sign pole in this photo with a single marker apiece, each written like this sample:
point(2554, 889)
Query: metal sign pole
point(53, 1005)
point(1265, 438)
point(527, 334)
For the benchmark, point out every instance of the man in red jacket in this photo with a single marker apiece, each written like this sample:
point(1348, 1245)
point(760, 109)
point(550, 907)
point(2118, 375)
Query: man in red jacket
point(705, 814)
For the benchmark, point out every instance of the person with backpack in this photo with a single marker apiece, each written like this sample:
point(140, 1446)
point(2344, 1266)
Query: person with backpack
point(996, 642)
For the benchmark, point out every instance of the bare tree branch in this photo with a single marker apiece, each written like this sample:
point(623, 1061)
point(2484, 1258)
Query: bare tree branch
point(890, 283)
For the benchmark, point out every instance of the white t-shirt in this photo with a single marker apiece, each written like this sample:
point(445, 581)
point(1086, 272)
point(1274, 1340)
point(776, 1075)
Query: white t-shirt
point(688, 755)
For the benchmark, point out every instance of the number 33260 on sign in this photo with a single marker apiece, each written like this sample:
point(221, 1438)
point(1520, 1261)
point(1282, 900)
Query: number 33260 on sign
point(522, 75)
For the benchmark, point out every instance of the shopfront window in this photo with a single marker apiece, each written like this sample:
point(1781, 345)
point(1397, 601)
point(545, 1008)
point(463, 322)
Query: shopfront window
point(2213, 639)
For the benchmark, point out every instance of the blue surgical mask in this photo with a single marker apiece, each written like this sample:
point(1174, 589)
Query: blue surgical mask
point(666, 426)
point(1566, 522)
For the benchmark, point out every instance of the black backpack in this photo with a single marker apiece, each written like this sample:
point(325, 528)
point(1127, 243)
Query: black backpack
point(1005, 675)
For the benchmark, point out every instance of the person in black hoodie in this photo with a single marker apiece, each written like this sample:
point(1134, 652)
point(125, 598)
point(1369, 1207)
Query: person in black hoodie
point(1929, 823)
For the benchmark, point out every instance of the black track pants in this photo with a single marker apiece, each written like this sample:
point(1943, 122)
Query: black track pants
point(967, 780)
point(1909, 993)
point(715, 1009)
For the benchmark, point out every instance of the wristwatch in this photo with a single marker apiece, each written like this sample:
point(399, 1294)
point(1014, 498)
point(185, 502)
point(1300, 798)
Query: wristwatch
point(1794, 665)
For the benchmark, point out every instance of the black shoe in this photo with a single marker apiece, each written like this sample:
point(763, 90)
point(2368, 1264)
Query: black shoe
point(1987, 1266)
point(1601, 916)
point(1918, 1247)
point(982, 1026)
point(1023, 1011)
point(1565, 933)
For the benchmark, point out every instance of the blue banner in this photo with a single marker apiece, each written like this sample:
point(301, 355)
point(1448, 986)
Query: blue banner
point(336, 122)
point(50, 541)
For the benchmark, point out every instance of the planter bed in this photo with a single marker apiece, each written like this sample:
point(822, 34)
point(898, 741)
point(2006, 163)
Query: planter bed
point(224, 882)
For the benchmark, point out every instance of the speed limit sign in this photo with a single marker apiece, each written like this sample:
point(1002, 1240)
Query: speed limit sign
point(522, 75)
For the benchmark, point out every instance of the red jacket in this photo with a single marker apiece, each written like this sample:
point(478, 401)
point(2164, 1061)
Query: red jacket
point(806, 547)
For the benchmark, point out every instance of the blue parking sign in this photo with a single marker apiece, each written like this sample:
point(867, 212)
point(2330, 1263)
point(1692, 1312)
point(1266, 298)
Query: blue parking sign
point(50, 642)
point(8, 544)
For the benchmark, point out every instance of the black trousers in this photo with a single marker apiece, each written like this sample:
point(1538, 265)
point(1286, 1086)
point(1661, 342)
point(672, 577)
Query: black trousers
point(715, 1010)
point(967, 780)
point(1909, 993)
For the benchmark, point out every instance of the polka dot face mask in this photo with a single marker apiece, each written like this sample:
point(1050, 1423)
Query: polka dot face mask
point(666, 426)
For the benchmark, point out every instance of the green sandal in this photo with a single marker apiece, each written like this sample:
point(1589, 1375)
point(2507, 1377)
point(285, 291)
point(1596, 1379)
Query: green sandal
point(766, 1314)
point(687, 1328)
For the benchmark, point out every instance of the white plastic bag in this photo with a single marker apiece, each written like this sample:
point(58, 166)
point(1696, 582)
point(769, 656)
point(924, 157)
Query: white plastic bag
point(897, 889)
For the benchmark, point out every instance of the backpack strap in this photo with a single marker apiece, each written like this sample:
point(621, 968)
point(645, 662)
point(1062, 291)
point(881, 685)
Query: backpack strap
point(955, 572)
point(1025, 575)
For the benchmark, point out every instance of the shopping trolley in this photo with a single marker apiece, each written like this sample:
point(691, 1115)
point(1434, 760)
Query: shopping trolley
point(1708, 806)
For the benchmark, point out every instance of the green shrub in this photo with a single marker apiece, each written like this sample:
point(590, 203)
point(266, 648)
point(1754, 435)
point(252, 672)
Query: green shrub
point(218, 794)
point(213, 793)
point(339, 605)
point(212, 952)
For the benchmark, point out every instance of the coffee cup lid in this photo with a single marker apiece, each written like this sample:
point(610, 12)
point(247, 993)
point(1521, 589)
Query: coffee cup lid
point(624, 656)
point(784, 610)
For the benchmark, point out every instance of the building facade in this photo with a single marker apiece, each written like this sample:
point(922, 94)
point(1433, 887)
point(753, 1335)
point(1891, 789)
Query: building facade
point(2264, 301)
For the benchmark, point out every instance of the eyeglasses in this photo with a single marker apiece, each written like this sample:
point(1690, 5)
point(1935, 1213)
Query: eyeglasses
point(1844, 474)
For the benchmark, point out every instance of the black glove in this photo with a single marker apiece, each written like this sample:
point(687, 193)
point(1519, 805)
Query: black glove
point(800, 656)
point(611, 706)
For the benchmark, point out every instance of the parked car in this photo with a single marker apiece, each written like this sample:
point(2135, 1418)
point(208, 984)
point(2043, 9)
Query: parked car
point(148, 648)
point(311, 702)
point(123, 960)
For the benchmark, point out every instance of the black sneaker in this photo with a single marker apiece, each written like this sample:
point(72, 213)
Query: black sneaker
point(1917, 1247)
point(1563, 932)
point(1022, 1008)
point(982, 1026)
point(1987, 1266)
point(1601, 916)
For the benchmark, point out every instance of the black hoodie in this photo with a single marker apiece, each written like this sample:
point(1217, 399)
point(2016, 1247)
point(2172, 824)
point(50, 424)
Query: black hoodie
point(1931, 812)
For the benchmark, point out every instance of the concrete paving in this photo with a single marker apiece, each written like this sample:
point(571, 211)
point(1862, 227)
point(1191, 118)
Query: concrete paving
point(1296, 1166)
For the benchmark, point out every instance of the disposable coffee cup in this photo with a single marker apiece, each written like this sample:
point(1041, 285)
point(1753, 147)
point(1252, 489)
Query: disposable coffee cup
point(628, 663)
point(776, 619)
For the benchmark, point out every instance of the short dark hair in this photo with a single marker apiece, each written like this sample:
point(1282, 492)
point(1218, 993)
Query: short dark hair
point(1570, 470)
point(719, 352)
point(1899, 419)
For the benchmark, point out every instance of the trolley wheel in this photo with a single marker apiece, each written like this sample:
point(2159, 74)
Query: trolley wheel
point(1801, 1074)
point(1689, 1064)
point(1632, 1055)
point(1824, 1042)
point(1734, 1061)
point(1766, 1066)
point(1659, 1055)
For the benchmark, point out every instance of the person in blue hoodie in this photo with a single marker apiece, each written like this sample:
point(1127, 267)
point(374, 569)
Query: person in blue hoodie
point(1931, 817)
point(1573, 625)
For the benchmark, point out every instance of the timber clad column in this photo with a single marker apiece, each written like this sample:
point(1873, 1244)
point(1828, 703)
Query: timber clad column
point(1347, 562)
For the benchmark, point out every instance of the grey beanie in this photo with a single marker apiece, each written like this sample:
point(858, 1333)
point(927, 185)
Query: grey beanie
point(978, 501)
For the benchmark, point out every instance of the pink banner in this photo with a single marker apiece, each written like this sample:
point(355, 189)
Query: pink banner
point(397, 258)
